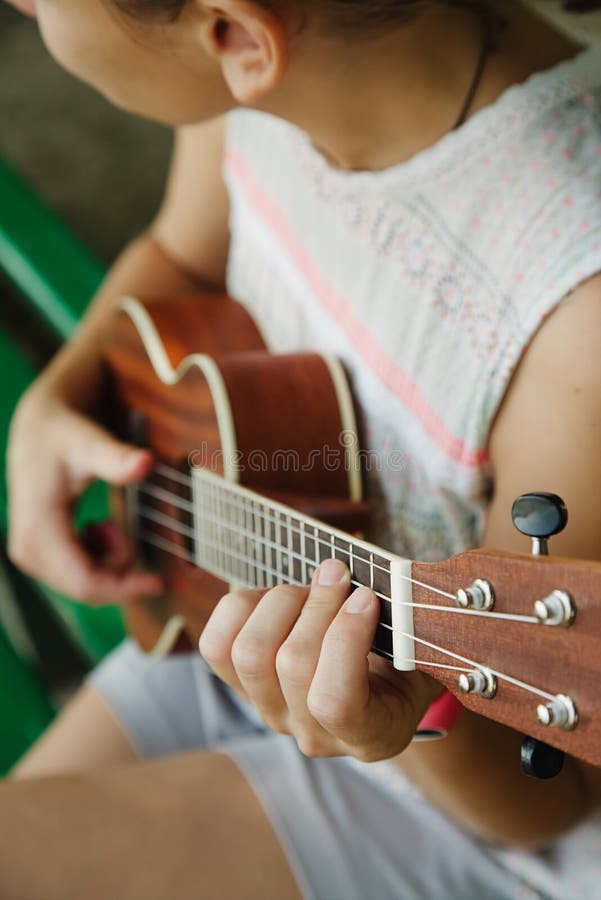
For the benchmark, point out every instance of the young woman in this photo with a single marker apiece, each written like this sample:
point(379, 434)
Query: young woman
point(415, 187)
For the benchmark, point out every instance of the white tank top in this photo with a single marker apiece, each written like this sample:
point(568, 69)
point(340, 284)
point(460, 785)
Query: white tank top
point(428, 280)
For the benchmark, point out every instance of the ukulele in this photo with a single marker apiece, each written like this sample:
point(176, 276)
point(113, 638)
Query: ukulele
point(258, 480)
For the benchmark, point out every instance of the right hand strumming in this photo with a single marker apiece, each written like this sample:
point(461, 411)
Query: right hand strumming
point(54, 453)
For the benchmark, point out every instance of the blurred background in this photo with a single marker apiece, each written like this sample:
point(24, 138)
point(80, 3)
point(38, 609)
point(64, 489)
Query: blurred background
point(78, 179)
point(100, 169)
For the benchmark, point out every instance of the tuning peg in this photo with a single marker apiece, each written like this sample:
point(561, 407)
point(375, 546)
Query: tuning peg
point(539, 515)
point(541, 760)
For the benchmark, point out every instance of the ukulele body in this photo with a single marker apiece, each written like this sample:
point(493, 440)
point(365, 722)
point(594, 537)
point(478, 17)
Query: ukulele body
point(192, 379)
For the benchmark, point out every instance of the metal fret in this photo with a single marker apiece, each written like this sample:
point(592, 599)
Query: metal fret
point(303, 553)
point(250, 578)
point(211, 525)
point(256, 518)
point(220, 541)
point(271, 548)
point(298, 562)
point(257, 546)
point(290, 559)
point(343, 552)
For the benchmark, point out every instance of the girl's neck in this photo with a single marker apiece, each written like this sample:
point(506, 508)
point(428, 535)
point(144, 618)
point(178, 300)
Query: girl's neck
point(379, 102)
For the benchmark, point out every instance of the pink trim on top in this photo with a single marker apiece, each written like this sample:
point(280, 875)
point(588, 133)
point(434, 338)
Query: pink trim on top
point(391, 375)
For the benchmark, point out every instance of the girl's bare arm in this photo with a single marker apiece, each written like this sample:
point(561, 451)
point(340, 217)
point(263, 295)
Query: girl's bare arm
point(547, 436)
point(56, 449)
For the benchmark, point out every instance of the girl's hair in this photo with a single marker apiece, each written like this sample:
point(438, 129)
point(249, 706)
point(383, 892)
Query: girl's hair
point(344, 13)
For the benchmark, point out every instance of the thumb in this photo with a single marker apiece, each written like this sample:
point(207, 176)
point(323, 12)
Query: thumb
point(95, 453)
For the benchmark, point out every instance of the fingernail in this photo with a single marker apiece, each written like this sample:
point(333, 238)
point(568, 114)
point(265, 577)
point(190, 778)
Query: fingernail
point(134, 455)
point(332, 571)
point(359, 601)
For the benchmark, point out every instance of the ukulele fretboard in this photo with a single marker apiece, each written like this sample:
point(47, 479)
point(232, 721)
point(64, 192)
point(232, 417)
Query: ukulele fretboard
point(250, 540)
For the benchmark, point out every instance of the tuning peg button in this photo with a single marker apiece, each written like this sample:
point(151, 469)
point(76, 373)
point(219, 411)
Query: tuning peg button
point(539, 515)
point(479, 595)
point(560, 712)
point(479, 681)
point(555, 609)
point(540, 760)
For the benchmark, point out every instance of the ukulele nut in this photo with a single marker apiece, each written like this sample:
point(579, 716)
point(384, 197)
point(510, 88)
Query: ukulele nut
point(560, 712)
point(555, 609)
point(478, 681)
point(478, 596)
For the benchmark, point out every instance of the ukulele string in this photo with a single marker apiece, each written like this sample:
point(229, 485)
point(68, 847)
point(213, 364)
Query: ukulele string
point(266, 516)
point(523, 685)
point(170, 547)
point(269, 518)
point(153, 515)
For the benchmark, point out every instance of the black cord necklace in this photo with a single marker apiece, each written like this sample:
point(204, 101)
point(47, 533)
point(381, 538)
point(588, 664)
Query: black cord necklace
point(490, 28)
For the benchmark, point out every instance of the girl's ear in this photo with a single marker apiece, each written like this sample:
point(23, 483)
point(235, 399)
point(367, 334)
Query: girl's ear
point(249, 42)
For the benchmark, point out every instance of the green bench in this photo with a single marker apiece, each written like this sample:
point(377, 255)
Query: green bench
point(43, 636)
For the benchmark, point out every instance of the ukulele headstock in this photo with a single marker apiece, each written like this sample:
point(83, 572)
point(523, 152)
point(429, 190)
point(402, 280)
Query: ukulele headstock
point(518, 638)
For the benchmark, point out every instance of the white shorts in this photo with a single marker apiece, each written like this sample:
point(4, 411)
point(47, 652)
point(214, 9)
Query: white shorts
point(350, 830)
